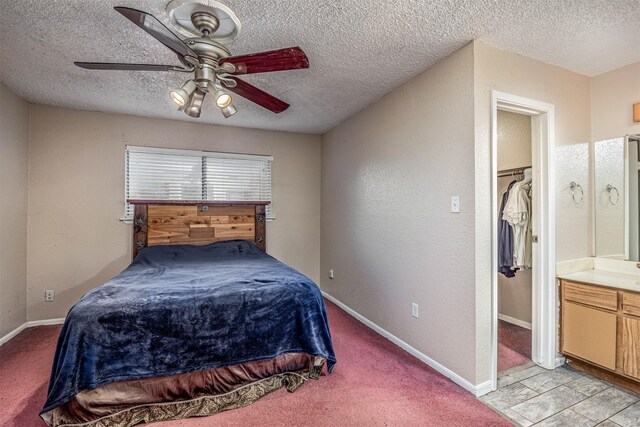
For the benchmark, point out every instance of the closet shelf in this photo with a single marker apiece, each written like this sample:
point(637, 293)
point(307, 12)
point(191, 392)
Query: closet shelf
point(513, 171)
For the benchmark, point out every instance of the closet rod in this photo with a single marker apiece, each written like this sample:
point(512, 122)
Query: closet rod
point(514, 171)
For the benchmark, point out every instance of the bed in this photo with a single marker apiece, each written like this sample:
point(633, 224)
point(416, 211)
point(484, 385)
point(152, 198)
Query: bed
point(202, 321)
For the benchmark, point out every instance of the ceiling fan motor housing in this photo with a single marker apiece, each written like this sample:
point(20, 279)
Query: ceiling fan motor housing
point(205, 75)
point(205, 22)
point(208, 49)
point(209, 54)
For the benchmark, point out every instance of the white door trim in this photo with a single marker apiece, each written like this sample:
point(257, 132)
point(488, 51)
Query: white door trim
point(544, 303)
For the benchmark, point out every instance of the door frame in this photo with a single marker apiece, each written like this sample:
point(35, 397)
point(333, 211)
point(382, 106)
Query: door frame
point(544, 299)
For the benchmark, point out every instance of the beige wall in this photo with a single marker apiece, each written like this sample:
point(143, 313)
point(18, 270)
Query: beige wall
point(514, 140)
point(14, 142)
point(613, 95)
point(76, 196)
point(570, 93)
point(514, 151)
point(388, 174)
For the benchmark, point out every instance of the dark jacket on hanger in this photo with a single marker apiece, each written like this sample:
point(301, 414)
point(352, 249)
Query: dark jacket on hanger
point(505, 240)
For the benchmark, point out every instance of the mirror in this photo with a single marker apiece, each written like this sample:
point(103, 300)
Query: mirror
point(616, 178)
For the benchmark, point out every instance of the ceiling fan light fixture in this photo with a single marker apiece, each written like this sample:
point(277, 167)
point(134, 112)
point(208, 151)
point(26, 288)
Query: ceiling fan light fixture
point(183, 95)
point(228, 111)
point(194, 107)
point(223, 99)
point(208, 26)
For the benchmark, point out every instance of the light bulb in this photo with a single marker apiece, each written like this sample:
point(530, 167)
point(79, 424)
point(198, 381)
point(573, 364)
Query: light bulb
point(182, 95)
point(177, 97)
point(222, 98)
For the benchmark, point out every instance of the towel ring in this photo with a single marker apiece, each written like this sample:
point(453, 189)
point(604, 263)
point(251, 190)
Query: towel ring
point(610, 190)
point(575, 186)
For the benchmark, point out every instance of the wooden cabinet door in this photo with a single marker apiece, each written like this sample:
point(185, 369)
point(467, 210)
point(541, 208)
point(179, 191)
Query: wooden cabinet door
point(589, 334)
point(630, 347)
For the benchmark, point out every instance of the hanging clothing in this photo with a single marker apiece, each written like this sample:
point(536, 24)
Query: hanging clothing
point(528, 233)
point(505, 239)
point(517, 213)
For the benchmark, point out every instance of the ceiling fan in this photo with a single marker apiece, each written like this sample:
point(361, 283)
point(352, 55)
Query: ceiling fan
point(214, 70)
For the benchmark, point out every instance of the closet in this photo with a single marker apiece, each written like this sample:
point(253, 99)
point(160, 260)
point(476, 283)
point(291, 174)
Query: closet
point(514, 251)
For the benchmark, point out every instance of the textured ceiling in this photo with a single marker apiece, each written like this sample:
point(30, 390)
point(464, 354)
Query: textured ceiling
point(358, 49)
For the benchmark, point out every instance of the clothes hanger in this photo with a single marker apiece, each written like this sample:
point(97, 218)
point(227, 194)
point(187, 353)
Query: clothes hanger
point(504, 190)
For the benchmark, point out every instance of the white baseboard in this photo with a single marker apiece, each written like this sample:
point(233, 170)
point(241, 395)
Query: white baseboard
point(30, 324)
point(45, 322)
point(514, 321)
point(483, 388)
point(478, 390)
point(12, 334)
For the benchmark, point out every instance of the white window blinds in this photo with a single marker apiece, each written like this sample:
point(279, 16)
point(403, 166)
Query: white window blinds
point(168, 174)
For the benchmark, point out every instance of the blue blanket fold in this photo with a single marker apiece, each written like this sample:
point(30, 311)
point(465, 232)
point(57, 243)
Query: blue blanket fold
point(179, 309)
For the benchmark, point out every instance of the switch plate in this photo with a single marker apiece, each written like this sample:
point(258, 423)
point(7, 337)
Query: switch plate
point(49, 295)
point(414, 310)
point(331, 274)
point(455, 204)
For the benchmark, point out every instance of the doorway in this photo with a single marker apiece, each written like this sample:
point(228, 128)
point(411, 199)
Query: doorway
point(515, 184)
point(543, 288)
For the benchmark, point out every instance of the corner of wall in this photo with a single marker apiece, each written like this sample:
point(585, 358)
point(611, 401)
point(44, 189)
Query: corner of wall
point(14, 140)
point(482, 235)
point(31, 113)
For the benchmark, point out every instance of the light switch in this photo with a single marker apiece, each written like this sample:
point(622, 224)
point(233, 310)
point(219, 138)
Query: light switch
point(455, 204)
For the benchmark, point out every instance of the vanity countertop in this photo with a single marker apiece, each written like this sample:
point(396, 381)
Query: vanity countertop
point(625, 281)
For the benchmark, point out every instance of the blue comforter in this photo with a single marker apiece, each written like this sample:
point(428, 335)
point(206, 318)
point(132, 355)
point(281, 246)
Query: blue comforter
point(179, 309)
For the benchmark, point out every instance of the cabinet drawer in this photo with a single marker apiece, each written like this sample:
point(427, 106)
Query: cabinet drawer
point(589, 334)
point(631, 303)
point(591, 295)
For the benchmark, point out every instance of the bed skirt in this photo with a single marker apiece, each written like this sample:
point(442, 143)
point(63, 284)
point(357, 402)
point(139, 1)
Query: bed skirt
point(196, 394)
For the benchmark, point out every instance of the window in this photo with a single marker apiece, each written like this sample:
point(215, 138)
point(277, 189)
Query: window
point(168, 174)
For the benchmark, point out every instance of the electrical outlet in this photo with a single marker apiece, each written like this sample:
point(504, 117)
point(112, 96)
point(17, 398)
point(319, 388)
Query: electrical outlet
point(49, 295)
point(414, 310)
point(331, 274)
point(455, 204)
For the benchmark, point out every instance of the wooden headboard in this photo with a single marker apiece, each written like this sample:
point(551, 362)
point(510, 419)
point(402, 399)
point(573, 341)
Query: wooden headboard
point(172, 222)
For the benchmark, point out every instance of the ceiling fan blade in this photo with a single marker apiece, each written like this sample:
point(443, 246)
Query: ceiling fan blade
point(125, 67)
point(292, 58)
point(155, 28)
point(256, 95)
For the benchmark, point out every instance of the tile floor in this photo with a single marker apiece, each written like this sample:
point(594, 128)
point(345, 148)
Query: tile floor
point(530, 395)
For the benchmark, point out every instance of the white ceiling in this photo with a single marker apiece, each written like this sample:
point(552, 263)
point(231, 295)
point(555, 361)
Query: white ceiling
point(358, 49)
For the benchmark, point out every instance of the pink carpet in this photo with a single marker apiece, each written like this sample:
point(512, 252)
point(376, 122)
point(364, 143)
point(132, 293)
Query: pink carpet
point(374, 383)
point(514, 345)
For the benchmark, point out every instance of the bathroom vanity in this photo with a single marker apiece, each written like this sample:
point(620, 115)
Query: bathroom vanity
point(600, 323)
